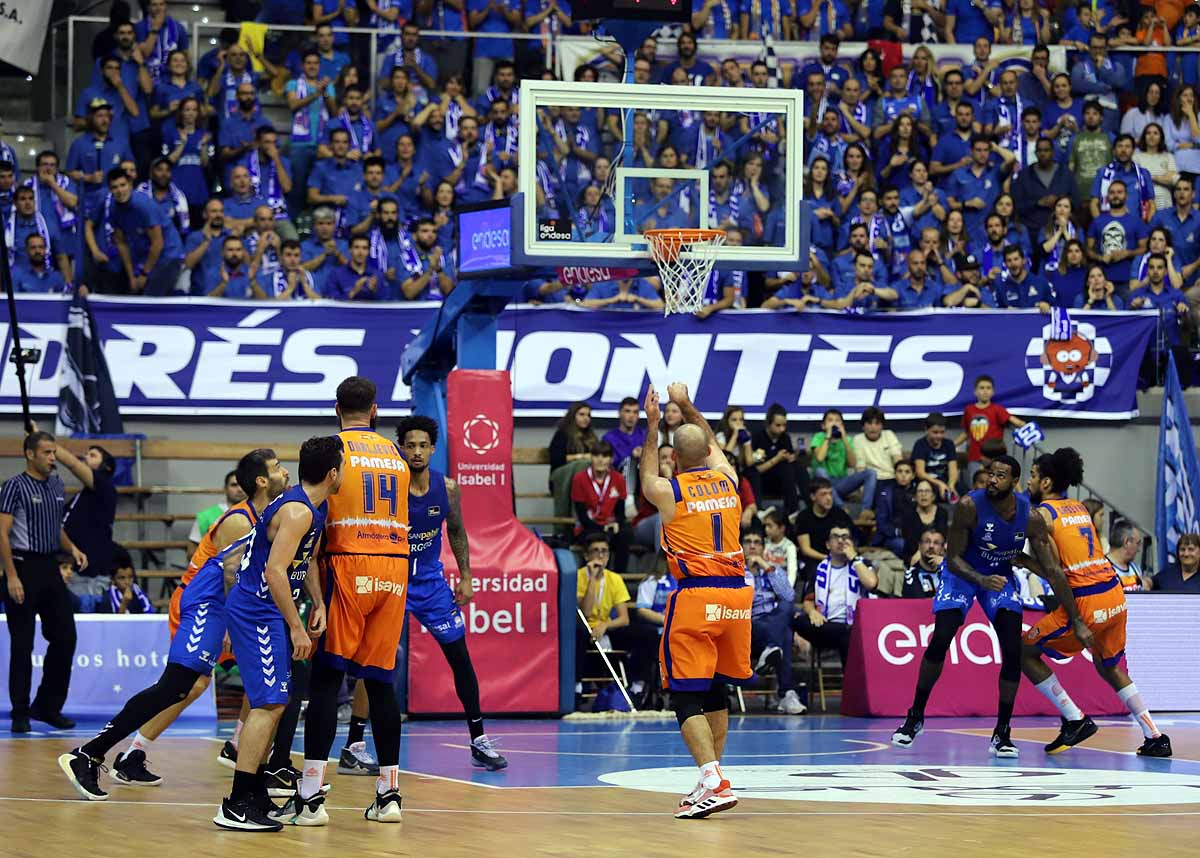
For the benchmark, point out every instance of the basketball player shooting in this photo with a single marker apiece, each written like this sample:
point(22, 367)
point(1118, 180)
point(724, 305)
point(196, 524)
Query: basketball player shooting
point(706, 634)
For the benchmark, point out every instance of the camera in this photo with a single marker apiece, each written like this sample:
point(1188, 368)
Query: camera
point(835, 432)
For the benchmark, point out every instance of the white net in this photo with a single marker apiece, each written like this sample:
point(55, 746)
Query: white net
point(685, 259)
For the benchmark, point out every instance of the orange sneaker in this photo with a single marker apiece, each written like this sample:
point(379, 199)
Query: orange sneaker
point(707, 802)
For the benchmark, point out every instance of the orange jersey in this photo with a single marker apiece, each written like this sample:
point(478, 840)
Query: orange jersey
point(703, 539)
point(1079, 550)
point(369, 513)
point(207, 549)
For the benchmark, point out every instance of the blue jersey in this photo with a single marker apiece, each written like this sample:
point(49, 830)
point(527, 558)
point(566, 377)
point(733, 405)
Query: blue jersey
point(209, 581)
point(425, 517)
point(252, 576)
point(994, 541)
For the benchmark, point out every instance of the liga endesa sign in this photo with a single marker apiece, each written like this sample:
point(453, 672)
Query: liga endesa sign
point(512, 623)
point(890, 636)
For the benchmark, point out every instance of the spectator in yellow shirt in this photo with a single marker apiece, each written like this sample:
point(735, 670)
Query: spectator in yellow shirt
point(603, 597)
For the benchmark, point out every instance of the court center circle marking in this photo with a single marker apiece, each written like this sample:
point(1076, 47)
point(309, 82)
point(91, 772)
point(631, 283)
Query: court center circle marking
point(957, 786)
point(872, 747)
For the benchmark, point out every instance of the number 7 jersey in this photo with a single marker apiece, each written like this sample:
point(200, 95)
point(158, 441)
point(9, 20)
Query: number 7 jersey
point(1079, 549)
point(369, 513)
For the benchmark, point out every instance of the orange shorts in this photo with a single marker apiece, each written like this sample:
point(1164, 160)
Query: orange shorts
point(364, 601)
point(706, 635)
point(1104, 613)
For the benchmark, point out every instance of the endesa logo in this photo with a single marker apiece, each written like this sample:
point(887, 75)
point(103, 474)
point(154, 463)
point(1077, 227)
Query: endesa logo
point(900, 643)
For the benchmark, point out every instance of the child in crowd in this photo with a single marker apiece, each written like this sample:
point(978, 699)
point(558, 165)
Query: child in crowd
point(124, 596)
point(982, 421)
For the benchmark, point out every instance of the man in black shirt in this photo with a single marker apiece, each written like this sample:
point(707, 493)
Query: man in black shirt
point(775, 461)
point(813, 524)
point(31, 536)
point(936, 459)
point(921, 580)
point(89, 517)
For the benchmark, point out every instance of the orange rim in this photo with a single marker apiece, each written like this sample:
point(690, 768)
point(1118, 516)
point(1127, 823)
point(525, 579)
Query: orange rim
point(668, 242)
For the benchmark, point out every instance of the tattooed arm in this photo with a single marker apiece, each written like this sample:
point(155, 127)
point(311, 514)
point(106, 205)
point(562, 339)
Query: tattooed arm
point(464, 590)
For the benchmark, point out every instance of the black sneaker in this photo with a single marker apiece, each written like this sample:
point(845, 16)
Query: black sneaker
point(84, 774)
point(1159, 747)
point(245, 815)
point(55, 719)
point(1071, 734)
point(485, 756)
point(355, 760)
point(385, 808)
point(228, 756)
point(130, 769)
point(281, 783)
point(20, 724)
point(1002, 745)
point(307, 812)
point(909, 730)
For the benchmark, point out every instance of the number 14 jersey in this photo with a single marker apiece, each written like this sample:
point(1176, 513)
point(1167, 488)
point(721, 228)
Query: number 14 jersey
point(369, 514)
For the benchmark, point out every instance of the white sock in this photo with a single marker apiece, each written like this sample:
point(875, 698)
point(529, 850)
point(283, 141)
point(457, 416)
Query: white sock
point(389, 779)
point(710, 775)
point(139, 743)
point(312, 777)
point(1141, 713)
point(237, 731)
point(1053, 691)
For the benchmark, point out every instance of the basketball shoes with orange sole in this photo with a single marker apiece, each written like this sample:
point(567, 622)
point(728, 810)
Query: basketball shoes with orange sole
point(706, 802)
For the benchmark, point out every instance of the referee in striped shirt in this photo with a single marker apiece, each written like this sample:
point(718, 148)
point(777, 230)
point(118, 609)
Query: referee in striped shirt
point(31, 537)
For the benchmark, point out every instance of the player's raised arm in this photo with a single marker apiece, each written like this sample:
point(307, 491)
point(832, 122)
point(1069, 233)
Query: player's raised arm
point(294, 521)
point(677, 392)
point(962, 522)
point(656, 489)
point(1046, 554)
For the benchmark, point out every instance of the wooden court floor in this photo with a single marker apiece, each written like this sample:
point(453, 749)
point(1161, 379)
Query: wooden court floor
point(552, 801)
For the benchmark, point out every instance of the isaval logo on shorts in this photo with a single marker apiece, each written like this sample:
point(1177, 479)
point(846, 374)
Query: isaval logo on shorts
point(717, 613)
point(369, 584)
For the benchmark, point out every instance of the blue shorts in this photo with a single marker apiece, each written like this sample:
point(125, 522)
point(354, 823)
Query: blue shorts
point(953, 593)
point(261, 644)
point(431, 602)
point(198, 643)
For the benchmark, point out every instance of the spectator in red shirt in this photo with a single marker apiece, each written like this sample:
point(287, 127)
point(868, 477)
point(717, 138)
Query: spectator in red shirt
point(982, 421)
point(598, 494)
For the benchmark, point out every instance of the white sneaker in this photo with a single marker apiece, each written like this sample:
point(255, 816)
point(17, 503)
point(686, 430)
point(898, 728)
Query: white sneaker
point(306, 812)
point(790, 704)
point(385, 808)
point(708, 802)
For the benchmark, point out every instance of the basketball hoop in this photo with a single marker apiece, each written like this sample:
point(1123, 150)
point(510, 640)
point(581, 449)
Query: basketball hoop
point(685, 259)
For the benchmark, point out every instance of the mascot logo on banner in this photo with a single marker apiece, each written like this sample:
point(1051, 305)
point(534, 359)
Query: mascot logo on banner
point(481, 434)
point(1069, 370)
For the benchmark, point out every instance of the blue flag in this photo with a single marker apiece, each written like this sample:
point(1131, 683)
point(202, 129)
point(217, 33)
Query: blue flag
point(87, 403)
point(1178, 472)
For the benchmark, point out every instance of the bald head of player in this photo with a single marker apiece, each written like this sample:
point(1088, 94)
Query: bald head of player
point(356, 402)
point(691, 446)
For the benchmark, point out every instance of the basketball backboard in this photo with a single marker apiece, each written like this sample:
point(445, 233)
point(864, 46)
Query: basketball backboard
point(681, 156)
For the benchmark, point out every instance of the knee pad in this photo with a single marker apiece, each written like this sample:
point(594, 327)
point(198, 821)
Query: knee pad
point(176, 682)
point(945, 625)
point(715, 699)
point(687, 704)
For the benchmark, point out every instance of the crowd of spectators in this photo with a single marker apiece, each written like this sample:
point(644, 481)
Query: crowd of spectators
point(990, 184)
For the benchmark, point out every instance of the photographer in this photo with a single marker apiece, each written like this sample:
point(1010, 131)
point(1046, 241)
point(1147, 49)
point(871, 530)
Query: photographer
point(834, 459)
